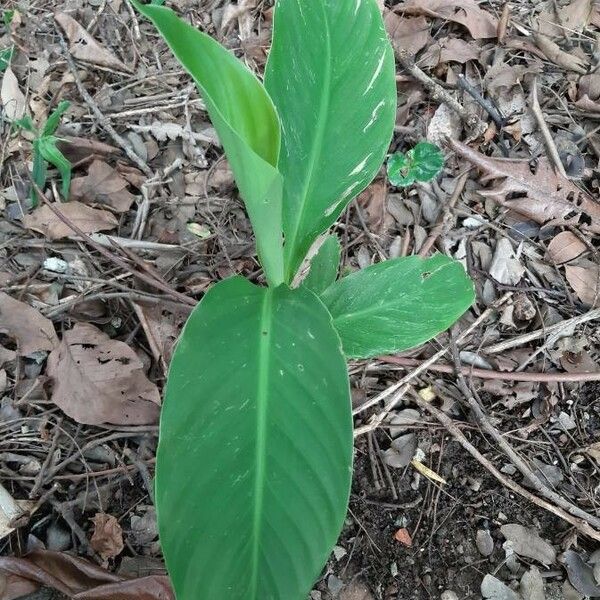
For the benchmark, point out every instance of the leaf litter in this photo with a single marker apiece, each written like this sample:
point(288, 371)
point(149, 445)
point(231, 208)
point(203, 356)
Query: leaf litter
point(518, 226)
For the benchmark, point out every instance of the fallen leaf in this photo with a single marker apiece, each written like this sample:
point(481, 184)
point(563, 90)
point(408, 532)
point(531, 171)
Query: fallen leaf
point(373, 202)
point(401, 451)
point(549, 197)
point(444, 123)
point(532, 585)
point(580, 574)
point(85, 48)
point(77, 578)
point(558, 56)
point(574, 16)
point(506, 267)
point(526, 542)
point(565, 247)
point(103, 185)
point(594, 451)
point(585, 280)
point(107, 539)
point(447, 50)
point(100, 380)
point(494, 589)
point(403, 537)
point(88, 219)
point(13, 100)
point(411, 34)
point(32, 331)
point(77, 149)
point(481, 24)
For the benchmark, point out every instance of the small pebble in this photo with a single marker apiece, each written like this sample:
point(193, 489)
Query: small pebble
point(449, 595)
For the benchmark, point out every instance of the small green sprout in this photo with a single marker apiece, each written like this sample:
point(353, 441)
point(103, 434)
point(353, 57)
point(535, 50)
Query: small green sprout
point(422, 163)
point(6, 53)
point(45, 151)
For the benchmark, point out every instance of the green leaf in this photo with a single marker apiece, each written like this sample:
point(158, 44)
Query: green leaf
point(7, 17)
point(26, 123)
point(332, 78)
point(54, 119)
point(46, 146)
point(422, 163)
point(5, 57)
point(247, 124)
point(398, 304)
point(255, 453)
point(38, 174)
point(324, 266)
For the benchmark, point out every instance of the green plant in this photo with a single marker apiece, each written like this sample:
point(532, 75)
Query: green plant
point(6, 53)
point(255, 454)
point(45, 151)
point(421, 163)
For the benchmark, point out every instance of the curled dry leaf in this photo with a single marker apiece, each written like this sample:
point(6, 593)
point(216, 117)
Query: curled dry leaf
point(103, 185)
point(481, 24)
point(405, 32)
point(565, 247)
point(585, 280)
point(13, 100)
point(85, 48)
point(89, 220)
point(99, 380)
point(32, 331)
point(76, 578)
point(559, 57)
point(107, 539)
point(526, 542)
point(549, 197)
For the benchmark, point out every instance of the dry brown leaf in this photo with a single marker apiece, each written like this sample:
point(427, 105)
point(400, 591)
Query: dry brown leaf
point(88, 219)
point(107, 538)
point(550, 198)
point(565, 247)
point(103, 185)
point(526, 542)
point(13, 100)
point(558, 56)
point(585, 280)
point(411, 34)
point(373, 203)
point(77, 149)
point(77, 578)
point(32, 331)
point(100, 380)
point(481, 24)
point(447, 50)
point(85, 48)
point(574, 16)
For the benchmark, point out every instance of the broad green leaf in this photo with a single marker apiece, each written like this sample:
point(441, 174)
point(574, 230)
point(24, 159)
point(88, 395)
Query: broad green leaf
point(331, 76)
point(398, 304)
point(255, 453)
point(324, 266)
point(54, 119)
point(421, 163)
point(247, 124)
point(46, 146)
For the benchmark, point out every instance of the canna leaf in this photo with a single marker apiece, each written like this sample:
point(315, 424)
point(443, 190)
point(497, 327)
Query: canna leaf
point(331, 76)
point(38, 174)
point(247, 124)
point(255, 453)
point(46, 147)
point(324, 266)
point(54, 119)
point(398, 304)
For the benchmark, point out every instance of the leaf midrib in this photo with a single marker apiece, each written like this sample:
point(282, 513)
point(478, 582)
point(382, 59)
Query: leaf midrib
point(262, 401)
point(315, 152)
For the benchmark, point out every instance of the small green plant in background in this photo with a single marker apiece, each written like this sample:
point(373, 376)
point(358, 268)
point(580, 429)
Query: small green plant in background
point(422, 163)
point(254, 462)
point(45, 151)
point(6, 53)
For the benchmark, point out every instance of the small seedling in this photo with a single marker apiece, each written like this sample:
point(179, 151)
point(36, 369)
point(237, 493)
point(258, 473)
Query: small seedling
point(45, 151)
point(6, 53)
point(422, 163)
point(254, 462)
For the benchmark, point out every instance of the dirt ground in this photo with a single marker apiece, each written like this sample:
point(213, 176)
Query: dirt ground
point(482, 480)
